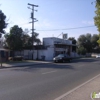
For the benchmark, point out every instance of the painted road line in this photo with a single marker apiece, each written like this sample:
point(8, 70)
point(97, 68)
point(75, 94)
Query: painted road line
point(96, 62)
point(64, 95)
point(81, 65)
point(49, 72)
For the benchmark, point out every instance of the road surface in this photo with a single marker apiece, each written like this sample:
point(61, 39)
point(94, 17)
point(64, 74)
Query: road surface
point(45, 81)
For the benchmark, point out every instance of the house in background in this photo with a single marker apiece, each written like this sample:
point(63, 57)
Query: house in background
point(4, 54)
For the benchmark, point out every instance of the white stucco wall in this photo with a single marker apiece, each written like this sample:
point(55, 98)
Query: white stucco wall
point(19, 53)
point(27, 54)
point(49, 54)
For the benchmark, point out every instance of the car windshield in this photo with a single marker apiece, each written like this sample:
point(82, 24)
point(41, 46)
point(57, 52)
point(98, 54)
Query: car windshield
point(61, 55)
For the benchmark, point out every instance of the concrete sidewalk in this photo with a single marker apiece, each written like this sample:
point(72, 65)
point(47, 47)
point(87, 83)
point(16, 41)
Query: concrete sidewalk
point(26, 63)
point(84, 91)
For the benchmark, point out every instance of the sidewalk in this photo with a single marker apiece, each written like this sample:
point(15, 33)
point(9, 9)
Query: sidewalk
point(24, 63)
point(84, 91)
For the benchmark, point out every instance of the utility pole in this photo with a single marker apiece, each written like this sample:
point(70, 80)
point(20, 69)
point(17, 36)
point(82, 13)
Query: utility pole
point(33, 20)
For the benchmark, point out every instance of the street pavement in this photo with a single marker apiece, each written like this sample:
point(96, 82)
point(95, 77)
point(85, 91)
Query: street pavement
point(50, 81)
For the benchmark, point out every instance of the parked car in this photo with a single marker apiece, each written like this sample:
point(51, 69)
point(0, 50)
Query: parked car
point(62, 58)
point(98, 56)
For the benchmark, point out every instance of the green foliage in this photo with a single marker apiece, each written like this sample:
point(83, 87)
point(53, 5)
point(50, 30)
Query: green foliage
point(85, 41)
point(35, 38)
point(14, 38)
point(89, 42)
point(3, 23)
point(27, 41)
point(97, 17)
point(81, 50)
point(73, 40)
point(18, 39)
point(94, 39)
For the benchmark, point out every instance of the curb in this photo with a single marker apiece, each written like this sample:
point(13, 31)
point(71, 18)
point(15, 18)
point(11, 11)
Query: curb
point(23, 65)
point(63, 97)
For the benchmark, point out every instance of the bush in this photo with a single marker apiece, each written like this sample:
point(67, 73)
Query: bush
point(81, 50)
point(10, 58)
point(17, 58)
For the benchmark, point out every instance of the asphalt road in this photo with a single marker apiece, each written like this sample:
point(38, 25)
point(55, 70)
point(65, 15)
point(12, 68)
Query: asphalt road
point(45, 81)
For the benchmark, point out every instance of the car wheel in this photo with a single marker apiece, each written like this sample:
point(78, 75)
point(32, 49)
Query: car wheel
point(63, 61)
point(54, 61)
point(69, 60)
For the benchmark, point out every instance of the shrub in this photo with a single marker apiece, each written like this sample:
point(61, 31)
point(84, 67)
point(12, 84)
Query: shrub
point(81, 50)
point(18, 58)
point(10, 58)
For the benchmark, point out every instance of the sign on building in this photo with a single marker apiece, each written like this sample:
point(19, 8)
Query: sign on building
point(65, 36)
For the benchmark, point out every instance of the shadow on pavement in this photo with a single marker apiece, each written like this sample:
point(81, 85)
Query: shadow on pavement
point(84, 60)
point(41, 66)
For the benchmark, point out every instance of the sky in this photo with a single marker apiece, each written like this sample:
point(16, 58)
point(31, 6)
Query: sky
point(52, 14)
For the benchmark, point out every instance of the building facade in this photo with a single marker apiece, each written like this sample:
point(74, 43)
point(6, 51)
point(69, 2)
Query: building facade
point(53, 47)
point(50, 48)
point(4, 54)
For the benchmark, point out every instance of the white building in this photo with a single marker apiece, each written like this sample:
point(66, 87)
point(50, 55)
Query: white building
point(50, 48)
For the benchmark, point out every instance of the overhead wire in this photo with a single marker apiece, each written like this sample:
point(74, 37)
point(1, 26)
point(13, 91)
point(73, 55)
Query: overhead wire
point(62, 29)
point(67, 28)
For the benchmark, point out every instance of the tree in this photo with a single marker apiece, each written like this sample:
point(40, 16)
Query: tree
point(81, 50)
point(85, 41)
point(73, 40)
point(17, 39)
point(3, 23)
point(88, 44)
point(81, 40)
point(94, 40)
point(1, 42)
point(13, 40)
point(27, 42)
point(36, 39)
point(97, 17)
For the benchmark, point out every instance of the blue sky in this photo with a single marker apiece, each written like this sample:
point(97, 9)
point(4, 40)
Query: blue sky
point(52, 14)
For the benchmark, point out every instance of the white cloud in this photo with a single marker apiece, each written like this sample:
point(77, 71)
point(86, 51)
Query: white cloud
point(88, 22)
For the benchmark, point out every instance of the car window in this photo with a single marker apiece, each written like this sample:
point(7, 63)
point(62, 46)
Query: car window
point(61, 55)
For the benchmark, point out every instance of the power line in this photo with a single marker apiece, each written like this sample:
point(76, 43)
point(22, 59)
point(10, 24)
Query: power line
point(24, 23)
point(61, 29)
point(67, 28)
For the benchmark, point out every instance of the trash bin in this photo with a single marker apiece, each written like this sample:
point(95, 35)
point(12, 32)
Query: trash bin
point(43, 57)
